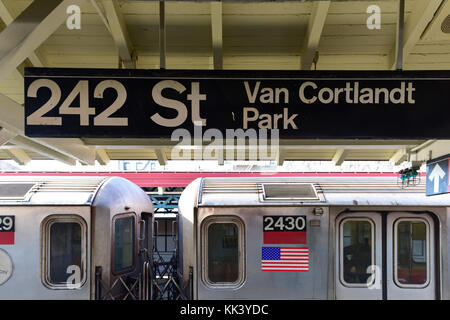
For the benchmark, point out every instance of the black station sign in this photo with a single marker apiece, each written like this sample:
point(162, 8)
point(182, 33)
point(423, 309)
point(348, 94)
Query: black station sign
point(300, 104)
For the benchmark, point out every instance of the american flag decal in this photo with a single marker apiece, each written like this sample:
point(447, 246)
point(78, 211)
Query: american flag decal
point(285, 259)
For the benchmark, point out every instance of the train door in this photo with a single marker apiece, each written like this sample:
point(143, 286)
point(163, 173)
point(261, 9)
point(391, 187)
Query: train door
point(411, 257)
point(358, 256)
point(385, 256)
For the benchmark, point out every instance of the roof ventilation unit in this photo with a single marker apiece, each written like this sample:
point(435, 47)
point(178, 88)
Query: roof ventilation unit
point(15, 191)
point(290, 191)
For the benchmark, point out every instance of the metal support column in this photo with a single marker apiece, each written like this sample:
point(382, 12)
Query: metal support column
point(162, 34)
point(399, 35)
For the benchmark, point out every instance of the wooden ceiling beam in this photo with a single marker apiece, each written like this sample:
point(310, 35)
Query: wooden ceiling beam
point(18, 155)
point(102, 157)
point(12, 119)
point(7, 18)
point(398, 157)
point(120, 33)
point(217, 37)
point(314, 33)
point(161, 156)
point(6, 136)
point(339, 156)
point(29, 30)
point(422, 14)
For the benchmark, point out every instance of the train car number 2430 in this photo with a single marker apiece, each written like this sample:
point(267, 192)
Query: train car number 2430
point(284, 223)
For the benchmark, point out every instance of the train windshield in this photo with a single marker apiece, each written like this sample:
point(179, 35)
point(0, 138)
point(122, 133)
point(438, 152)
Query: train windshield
point(223, 252)
point(124, 235)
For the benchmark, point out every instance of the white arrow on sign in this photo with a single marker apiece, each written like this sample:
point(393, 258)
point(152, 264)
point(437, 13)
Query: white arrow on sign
point(435, 176)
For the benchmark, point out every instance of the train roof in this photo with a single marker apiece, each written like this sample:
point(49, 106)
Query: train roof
point(39, 190)
point(379, 191)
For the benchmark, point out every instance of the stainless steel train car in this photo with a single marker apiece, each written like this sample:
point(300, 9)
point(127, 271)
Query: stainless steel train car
point(313, 238)
point(71, 237)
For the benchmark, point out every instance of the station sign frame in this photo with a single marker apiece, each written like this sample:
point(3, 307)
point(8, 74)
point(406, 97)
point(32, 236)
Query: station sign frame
point(125, 103)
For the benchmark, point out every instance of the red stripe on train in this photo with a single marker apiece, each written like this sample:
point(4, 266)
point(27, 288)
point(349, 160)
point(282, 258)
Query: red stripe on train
point(285, 237)
point(6, 237)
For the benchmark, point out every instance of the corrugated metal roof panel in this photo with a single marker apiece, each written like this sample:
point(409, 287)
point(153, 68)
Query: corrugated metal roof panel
point(330, 190)
point(53, 190)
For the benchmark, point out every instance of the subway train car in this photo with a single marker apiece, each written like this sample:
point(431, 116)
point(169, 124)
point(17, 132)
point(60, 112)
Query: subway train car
point(313, 238)
point(71, 237)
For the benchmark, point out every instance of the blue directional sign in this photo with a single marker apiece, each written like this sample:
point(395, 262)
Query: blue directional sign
point(438, 176)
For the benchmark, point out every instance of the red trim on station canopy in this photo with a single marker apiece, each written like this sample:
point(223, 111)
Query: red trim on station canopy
point(182, 179)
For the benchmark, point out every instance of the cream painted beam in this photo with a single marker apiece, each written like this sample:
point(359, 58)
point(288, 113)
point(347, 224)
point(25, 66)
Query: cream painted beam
point(162, 34)
point(120, 33)
point(6, 136)
point(422, 14)
point(161, 156)
point(101, 12)
point(29, 30)
point(434, 150)
point(220, 157)
point(422, 145)
point(313, 33)
point(339, 156)
point(216, 31)
point(280, 156)
point(124, 143)
point(102, 157)
point(27, 143)
point(12, 119)
point(399, 157)
point(72, 147)
point(435, 26)
point(7, 18)
point(18, 155)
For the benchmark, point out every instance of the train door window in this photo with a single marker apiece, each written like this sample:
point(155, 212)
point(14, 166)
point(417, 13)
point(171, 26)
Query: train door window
point(124, 244)
point(64, 252)
point(357, 251)
point(411, 263)
point(165, 237)
point(164, 241)
point(223, 252)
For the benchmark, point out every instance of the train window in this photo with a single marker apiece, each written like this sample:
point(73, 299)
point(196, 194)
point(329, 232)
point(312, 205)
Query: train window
point(223, 246)
point(223, 252)
point(64, 252)
point(357, 252)
point(411, 253)
point(124, 245)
